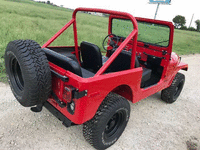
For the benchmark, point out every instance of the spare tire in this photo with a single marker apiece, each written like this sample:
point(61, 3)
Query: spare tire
point(28, 72)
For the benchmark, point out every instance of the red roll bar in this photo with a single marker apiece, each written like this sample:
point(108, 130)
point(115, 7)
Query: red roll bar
point(132, 35)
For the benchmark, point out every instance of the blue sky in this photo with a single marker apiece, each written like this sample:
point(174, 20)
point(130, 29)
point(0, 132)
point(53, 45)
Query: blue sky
point(142, 8)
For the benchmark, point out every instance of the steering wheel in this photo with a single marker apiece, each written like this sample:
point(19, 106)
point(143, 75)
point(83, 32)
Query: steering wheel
point(109, 41)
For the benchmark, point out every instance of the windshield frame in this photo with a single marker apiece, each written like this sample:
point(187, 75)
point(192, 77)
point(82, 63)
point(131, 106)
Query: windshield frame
point(141, 44)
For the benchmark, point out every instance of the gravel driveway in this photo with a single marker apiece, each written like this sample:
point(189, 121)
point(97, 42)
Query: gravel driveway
point(153, 125)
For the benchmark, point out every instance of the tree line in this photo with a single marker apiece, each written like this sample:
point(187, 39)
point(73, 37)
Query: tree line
point(179, 23)
point(48, 2)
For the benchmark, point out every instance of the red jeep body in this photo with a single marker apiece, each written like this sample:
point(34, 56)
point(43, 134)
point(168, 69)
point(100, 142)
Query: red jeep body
point(127, 83)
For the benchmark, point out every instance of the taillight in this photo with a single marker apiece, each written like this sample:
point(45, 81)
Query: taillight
point(67, 94)
point(71, 92)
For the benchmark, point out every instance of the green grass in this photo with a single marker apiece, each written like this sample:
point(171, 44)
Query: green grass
point(39, 22)
point(186, 42)
point(39, 4)
point(121, 27)
point(152, 33)
point(31, 20)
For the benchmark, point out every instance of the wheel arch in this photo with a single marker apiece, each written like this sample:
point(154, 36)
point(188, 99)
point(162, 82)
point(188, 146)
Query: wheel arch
point(125, 91)
point(95, 102)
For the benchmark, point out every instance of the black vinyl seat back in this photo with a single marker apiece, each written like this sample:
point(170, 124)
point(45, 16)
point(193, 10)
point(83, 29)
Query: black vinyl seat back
point(122, 62)
point(91, 56)
point(63, 61)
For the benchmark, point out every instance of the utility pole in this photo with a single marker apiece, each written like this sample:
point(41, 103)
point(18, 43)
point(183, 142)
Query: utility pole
point(156, 10)
point(158, 2)
point(191, 21)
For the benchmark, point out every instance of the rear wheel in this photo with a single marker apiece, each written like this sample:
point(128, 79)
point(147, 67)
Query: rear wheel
point(109, 122)
point(171, 93)
point(28, 72)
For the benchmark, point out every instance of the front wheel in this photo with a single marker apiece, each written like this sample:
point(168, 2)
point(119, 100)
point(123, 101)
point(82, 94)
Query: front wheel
point(171, 93)
point(109, 122)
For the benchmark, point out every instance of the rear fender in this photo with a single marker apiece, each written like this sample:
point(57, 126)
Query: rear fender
point(125, 91)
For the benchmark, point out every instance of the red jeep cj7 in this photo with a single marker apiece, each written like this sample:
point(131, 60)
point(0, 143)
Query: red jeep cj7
point(81, 86)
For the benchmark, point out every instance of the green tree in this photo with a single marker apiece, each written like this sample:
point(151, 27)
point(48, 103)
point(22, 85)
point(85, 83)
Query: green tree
point(179, 21)
point(183, 28)
point(191, 29)
point(198, 24)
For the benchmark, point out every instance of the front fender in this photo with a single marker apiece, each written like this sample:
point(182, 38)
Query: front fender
point(176, 60)
point(175, 65)
point(182, 66)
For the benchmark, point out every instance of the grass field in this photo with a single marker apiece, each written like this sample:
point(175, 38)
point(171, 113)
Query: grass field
point(30, 20)
point(186, 42)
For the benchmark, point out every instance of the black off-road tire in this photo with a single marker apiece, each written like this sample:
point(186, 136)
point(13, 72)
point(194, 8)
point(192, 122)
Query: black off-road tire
point(104, 129)
point(171, 93)
point(28, 72)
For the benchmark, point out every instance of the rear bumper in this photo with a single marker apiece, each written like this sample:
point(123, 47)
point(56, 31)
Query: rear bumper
point(66, 122)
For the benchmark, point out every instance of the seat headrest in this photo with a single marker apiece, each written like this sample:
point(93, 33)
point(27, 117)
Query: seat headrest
point(127, 55)
point(89, 45)
point(91, 56)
